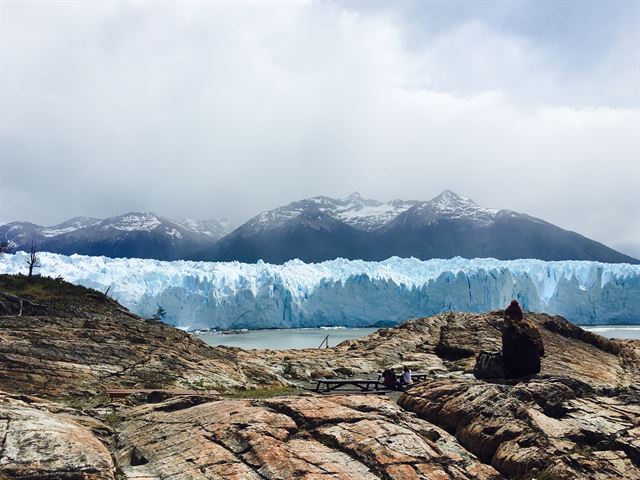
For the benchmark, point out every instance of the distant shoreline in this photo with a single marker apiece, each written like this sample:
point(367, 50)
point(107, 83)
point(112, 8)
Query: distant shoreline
point(233, 331)
point(296, 338)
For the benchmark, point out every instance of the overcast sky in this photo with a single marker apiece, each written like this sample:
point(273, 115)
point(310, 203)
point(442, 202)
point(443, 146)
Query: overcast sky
point(213, 109)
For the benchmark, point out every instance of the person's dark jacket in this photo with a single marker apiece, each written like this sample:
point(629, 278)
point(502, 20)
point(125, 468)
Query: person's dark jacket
point(521, 344)
point(389, 379)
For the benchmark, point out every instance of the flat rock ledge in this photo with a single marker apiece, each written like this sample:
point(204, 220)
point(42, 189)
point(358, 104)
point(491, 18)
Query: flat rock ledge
point(303, 437)
point(41, 440)
point(549, 427)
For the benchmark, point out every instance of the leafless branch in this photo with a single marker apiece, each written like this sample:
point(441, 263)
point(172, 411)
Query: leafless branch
point(33, 261)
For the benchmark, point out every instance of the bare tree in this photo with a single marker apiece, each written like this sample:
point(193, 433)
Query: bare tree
point(159, 315)
point(33, 261)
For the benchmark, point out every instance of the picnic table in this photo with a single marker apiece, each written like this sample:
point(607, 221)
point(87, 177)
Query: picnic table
point(420, 377)
point(358, 385)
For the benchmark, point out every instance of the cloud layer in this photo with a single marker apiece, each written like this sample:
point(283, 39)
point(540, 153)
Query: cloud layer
point(226, 109)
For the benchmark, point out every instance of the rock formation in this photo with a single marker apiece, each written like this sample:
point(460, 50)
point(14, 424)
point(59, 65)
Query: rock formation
point(45, 440)
point(307, 437)
point(550, 427)
point(578, 419)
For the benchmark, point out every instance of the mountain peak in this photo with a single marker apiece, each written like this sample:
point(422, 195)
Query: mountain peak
point(138, 214)
point(449, 198)
point(132, 221)
point(71, 225)
point(451, 205)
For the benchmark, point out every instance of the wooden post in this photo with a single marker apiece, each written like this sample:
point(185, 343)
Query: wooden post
point(326, 340)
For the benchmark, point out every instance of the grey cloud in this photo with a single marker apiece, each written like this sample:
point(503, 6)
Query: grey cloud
point(224, 110)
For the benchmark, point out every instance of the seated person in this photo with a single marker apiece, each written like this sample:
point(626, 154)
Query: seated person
point(405, 379)
point(389, 379)
point(521, 344)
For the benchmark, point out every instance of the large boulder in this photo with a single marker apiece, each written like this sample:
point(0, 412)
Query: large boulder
point(311, 437)
point(43, 440)
point(550, 427)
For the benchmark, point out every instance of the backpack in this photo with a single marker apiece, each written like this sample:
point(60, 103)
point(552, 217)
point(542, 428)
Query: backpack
point(489, 365)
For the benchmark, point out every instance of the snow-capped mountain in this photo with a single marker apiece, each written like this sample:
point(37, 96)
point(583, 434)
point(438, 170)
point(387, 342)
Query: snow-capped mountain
point(449, 225)
point(19, 235)
point(323, 228)
point(349, 292)
point(450, 206)
point(214, 228)
point(365, 214)
point(76, 223)
point(134, 234)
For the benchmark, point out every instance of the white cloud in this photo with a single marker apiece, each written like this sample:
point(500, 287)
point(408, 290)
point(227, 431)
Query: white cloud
point(211, 109)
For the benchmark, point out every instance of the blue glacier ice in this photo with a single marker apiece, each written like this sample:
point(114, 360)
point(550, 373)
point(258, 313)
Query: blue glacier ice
point(350, 293)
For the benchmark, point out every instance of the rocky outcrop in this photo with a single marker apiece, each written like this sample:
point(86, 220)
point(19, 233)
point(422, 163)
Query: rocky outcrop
point(455, 339)
point(84, 355)
point(87, 342)
point(448, 344)
point(41, 440)
point(307, 437)
point(579, 419)
point(550, 427)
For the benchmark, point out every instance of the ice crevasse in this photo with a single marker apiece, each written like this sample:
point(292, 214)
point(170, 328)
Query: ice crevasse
point(350, 293)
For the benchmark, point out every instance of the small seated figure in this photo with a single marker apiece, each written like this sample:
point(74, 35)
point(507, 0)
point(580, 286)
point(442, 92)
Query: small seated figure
point(405, 379)
point(389, 379)
point(521, 344)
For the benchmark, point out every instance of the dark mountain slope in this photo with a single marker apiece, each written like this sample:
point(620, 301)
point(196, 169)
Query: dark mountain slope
point(449, 225)
point(312, 236)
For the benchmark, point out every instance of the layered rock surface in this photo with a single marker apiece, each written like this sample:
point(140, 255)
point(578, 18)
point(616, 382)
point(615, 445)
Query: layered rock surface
point(306, 437)
point(577, 420)
point(82, 342)
point(448, 344)
point(550, 427)
point(56, 355)
point(44, 440)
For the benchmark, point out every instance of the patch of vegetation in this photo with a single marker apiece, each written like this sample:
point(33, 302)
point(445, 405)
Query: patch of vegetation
point(535, 474)
point(197, 385)
point(112, 419)
point(119, 474)
point(62, 298)
point(40, 289)
point(583, 450)
point(83, 403)
point(265, 392)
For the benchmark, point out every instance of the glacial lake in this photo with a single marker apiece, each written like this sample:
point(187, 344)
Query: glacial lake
point(616, 331)
point(284, 339)
point(296, 338)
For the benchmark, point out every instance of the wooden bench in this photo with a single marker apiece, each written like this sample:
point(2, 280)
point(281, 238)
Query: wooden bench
point(119, 393)
point(359, 386)
point(420, 377)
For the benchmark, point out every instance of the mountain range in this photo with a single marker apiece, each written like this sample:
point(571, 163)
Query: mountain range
point(323, 228)
point(133, 235)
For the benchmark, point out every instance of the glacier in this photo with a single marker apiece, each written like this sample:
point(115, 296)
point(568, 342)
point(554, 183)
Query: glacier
point(349, 293)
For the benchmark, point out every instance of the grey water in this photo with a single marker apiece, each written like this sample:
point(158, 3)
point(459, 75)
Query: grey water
point(284, 339)
point(630, 332)
point(297, 338)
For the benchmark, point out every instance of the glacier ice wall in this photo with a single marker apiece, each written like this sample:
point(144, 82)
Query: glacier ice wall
point(352, 293)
